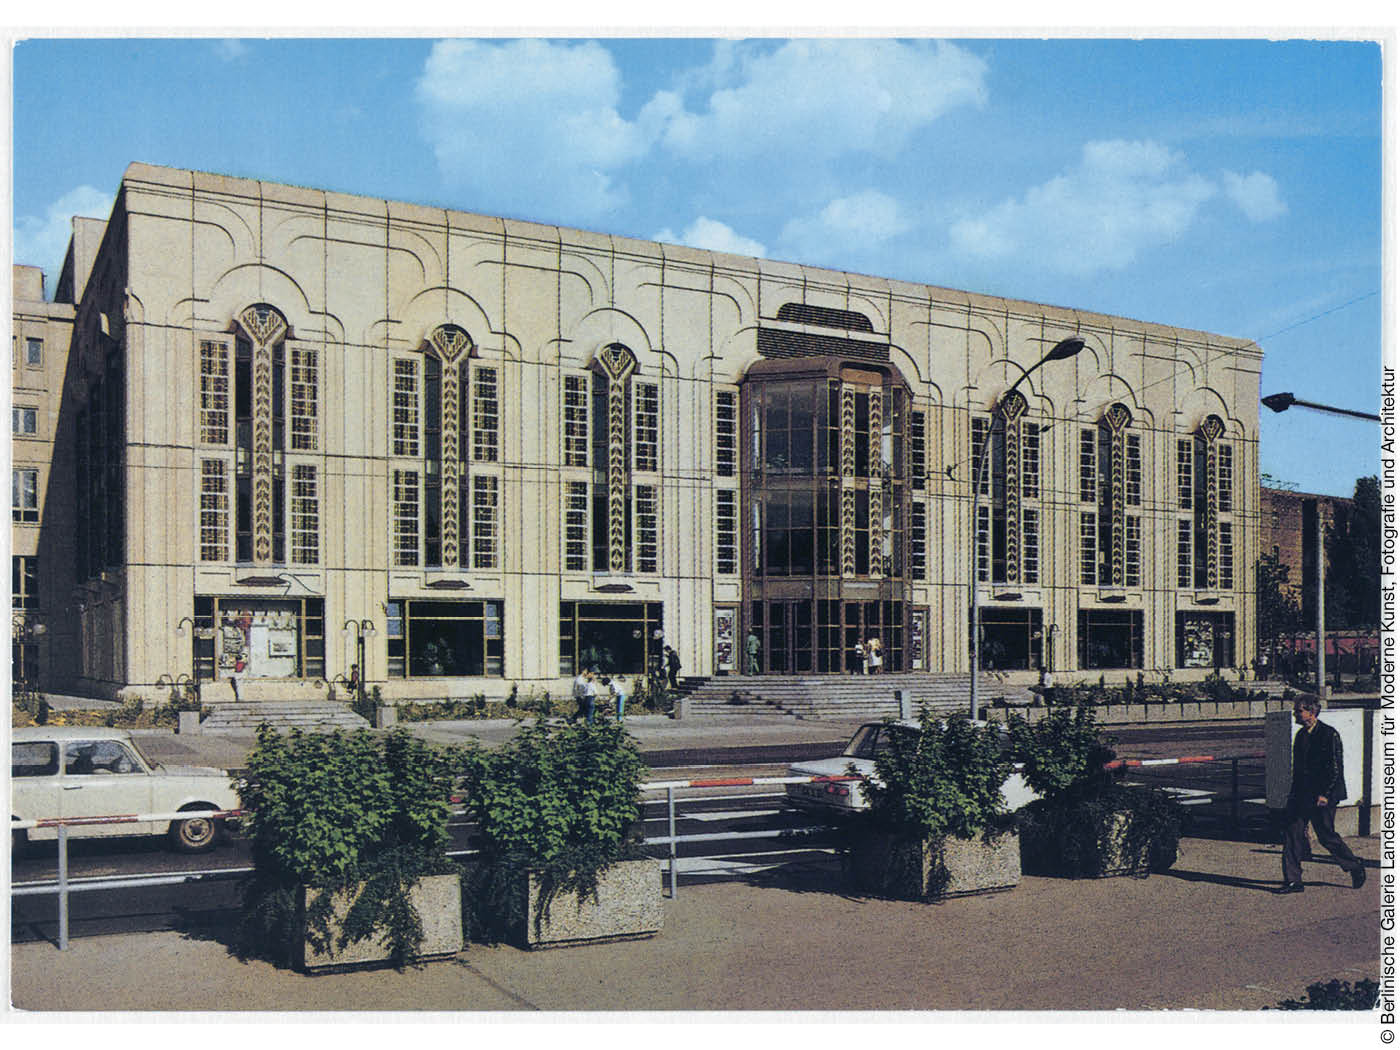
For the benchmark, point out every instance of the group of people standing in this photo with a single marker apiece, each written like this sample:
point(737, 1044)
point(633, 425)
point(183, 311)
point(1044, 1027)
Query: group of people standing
point(868, 656)
point(590, 684)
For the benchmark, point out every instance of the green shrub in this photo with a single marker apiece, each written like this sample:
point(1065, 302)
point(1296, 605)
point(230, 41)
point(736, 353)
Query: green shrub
point(359, 814)
point(1062, 749)
point(1336, 995)
point(556, 801)
point(1071, 829)
point(943, 779)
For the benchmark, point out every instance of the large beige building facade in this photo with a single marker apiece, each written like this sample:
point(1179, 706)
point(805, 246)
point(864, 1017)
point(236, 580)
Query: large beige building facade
point(312, 431)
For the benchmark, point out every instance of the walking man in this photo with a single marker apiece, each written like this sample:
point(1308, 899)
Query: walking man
point(673, 666)
point(751, 647)
point(1317, 788)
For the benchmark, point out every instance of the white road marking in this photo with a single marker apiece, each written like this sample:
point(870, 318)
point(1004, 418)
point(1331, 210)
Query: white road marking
point(732, 814)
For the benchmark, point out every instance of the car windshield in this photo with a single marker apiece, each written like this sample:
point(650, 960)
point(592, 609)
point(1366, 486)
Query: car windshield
point(869, 741)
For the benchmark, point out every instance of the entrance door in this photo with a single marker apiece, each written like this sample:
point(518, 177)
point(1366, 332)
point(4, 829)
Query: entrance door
point(882, 620)
point(821, 637)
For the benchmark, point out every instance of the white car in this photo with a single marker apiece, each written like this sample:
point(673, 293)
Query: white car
point(836, 797)
point(72, 771)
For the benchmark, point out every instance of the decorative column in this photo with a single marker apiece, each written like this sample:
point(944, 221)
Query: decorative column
point(1013, 410)
point(453, 346)
point(1116, 419)
point(265, 327)
point(848, 477)
point(1210, 432)
point(618, 364)
point(876, 512)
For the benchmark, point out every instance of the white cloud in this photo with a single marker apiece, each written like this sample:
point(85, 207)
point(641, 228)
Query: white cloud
point(526, 121)
point(714, 236)
point(1256, 194)
point(43, 240)
point(844, 228)
point(230, 50)
point(1121, 199)
point(819, 99)
point(529, 120)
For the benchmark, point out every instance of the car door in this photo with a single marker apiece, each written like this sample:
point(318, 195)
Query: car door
point(34, 783)
point(103, 778)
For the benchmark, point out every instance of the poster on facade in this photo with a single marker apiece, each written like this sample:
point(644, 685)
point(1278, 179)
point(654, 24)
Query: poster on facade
point(258, 642)
point(1197, 643)
point(724, 640)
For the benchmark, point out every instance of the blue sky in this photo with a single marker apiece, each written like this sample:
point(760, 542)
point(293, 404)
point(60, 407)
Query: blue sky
point(1229, 185)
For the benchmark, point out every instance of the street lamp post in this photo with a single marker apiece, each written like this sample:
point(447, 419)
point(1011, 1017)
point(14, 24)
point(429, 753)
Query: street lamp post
point(1064, 349)
point(362, 629)
point(1280, 403)
point(194, 659)
point(25, 632)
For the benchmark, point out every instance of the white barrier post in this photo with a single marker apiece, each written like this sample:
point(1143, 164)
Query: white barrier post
point(63, 887)
point(671, 831)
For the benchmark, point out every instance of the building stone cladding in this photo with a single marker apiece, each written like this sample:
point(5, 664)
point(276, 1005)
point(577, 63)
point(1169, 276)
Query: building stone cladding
point(365, 280)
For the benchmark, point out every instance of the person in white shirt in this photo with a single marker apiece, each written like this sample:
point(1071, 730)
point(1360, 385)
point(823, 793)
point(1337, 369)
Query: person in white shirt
point(581, 692)
point(590, 697)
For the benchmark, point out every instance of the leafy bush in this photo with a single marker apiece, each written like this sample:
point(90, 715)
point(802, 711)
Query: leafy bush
point(1336, 995)
point(556, 801)
point(1085, 824)
point(1062, 749)
point(358, 814)
point(943, 779)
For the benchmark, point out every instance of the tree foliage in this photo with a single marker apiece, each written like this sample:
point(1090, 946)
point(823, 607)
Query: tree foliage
point(360, 815)
point(1278, 609)
point(1353, 585)
point(1084, 823)
point(559, 802)
point(944, 778)
point(1062, 750)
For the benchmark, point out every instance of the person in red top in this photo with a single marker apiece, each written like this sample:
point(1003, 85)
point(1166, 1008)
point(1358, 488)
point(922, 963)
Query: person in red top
point(1318, 786)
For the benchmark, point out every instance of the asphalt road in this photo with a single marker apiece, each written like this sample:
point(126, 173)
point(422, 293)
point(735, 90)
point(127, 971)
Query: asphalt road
point(782, 835)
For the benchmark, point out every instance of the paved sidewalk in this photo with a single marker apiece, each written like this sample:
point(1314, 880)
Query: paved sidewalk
point(1209, 935)
point(655, 734)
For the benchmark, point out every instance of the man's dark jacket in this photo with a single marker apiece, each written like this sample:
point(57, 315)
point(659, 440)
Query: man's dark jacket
point(1317, 766)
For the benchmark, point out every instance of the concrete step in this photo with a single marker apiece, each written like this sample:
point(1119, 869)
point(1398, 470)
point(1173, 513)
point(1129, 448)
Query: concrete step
point(281, 714)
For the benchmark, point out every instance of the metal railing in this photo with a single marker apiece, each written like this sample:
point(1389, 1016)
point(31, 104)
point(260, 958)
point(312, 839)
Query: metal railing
point(64, 885)
point(62, 824)
point(671, 839)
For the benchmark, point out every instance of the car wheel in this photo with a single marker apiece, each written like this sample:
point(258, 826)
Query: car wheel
point(196, 835)
point(19, 842)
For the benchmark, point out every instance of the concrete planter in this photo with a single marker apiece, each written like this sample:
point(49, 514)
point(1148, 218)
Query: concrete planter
point(386, 717)
point(1190, 710)
point(628, 906)
point(436, 898)
point(189, 722)
point(1042, 854)
point(884, 864)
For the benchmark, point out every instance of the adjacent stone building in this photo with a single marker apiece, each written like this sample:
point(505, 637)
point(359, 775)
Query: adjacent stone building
point(311, 430)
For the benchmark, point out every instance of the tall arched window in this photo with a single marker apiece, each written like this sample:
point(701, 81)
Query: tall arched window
point(1110, 493)
point(612, 461)
point(267, 383)
point(1205, 465)
point(1008, 515)
point(444, 437)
